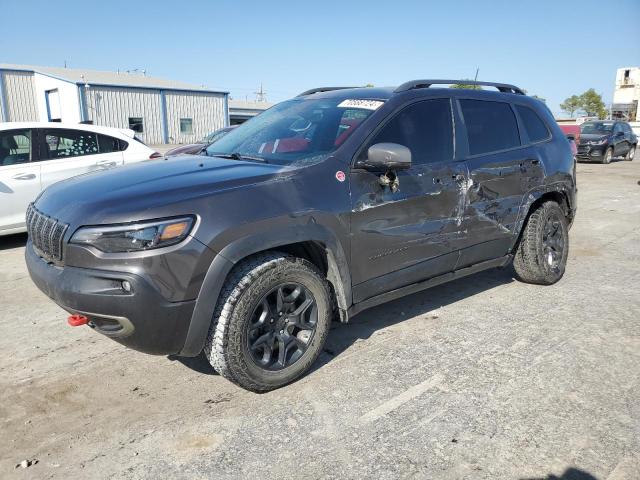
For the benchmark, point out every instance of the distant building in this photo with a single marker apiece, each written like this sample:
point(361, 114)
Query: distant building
point(159, 110)
point(240, 111)
point(626, 95)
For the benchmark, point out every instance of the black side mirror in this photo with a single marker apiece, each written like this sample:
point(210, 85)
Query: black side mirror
point(386, 156)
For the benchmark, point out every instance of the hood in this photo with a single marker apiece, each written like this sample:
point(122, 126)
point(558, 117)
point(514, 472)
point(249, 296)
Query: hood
point(146, 189)
point(590, 137)
point(190, 149)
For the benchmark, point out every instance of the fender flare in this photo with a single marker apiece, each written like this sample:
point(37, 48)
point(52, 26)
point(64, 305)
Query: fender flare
point(337, 273)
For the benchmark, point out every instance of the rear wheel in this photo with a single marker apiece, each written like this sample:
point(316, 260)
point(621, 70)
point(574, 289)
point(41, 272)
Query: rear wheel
point(608, 155)
point(631, 153)
point(271, 322)
point(541, 256)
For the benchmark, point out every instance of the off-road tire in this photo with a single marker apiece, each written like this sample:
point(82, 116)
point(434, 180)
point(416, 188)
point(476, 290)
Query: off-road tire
point(608, 155)
point(226, 346)
point(630, 154)
point(530, 262)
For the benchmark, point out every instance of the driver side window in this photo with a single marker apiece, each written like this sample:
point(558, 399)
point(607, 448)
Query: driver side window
point(425, 128)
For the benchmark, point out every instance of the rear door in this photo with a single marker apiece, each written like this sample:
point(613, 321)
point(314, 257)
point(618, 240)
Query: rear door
point(19, 177)
point(501, 170)
point(404, 236)
point(69, 152)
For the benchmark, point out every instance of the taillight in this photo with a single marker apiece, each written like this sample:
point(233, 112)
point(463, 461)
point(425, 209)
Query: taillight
point(155, 155)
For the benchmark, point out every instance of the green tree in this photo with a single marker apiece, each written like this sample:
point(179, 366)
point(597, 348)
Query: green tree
point(467, 86)
point(572, 104)
point(591, 102)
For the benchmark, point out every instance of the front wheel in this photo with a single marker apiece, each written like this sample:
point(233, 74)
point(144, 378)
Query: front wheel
point(541, 256)
point(271, 322)
point(631, 153)
point(608, 155)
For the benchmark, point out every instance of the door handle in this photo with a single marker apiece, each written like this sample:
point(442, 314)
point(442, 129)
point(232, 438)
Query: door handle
point(24, 176)
point(106, 163)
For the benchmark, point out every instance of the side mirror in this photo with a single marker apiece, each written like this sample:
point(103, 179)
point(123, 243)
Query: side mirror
point(387, 156)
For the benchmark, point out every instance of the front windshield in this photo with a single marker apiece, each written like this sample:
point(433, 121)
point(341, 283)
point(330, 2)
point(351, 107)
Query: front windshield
point(602, 128)
point(296, 130)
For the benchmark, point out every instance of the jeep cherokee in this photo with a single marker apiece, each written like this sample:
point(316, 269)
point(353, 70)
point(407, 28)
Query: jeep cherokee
point(322, 206)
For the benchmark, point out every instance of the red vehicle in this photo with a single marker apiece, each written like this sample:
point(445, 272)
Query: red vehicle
point(572, 132)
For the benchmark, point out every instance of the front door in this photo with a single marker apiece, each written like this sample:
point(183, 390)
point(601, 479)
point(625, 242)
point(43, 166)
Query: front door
point(19, 178)
point(404, 236)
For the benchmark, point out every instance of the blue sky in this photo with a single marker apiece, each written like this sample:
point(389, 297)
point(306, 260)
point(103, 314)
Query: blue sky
point(551, 48)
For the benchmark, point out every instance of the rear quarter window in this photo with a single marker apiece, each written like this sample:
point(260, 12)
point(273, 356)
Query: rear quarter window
point(491, 126)
point(535, 127)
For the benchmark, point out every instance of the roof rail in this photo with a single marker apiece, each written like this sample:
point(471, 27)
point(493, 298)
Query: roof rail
point(321, 89)
point(413, 84)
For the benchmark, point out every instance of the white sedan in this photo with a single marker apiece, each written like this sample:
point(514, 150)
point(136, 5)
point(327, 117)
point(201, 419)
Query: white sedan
point(33, 155)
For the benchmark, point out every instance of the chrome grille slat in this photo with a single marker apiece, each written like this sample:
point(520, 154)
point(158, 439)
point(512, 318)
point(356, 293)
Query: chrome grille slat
point(46, 234)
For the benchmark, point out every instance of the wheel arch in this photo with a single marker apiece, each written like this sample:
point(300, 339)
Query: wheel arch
point(315, 244)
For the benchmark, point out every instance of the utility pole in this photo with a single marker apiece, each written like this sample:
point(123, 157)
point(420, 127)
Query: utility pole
point(261, 95)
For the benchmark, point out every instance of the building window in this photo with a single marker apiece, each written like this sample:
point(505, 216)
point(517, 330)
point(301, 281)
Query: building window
point(186, 125)
point(135, 124)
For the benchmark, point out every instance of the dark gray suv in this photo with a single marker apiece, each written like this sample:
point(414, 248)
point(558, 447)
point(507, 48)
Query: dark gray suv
point(324, 205)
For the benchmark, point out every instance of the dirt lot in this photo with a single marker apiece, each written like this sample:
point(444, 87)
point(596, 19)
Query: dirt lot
point(482, 378)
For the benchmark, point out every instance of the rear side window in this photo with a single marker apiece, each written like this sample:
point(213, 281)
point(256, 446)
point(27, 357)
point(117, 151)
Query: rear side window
point(491, 126)
point(61, 143)
point(425, 128)
point(536, 128)
point(107, 144)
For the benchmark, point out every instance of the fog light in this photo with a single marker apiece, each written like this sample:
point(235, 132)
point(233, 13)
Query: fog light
point(126, 286)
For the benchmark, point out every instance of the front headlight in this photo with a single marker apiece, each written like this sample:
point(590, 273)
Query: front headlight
point(600, 141)
point(135, 237)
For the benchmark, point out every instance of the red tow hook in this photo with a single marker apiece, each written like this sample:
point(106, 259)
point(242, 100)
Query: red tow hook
point(77, 320)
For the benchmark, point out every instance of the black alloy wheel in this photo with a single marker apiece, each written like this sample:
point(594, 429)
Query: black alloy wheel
point(282, 326)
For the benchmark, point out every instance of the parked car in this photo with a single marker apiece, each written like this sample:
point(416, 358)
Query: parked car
point(34, 155)
point(196, 148)
point(332, 202)
point(602, 140)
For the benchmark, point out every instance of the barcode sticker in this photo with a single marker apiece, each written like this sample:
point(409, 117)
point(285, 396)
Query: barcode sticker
point(365, 104)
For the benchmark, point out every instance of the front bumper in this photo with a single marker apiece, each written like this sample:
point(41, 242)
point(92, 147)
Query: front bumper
point(591, 153)
point(141, 319)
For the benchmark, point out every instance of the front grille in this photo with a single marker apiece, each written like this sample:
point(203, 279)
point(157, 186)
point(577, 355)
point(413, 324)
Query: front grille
point(46, 234)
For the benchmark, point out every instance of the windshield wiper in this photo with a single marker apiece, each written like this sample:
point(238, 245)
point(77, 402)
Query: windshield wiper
point(239, 156)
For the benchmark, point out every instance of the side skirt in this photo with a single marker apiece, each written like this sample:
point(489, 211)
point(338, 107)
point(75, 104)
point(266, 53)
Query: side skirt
point(423, 285)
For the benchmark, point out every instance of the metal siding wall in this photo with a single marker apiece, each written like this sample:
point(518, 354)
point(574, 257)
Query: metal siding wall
point(20, 96)
point(112, 107)
point(206, 109)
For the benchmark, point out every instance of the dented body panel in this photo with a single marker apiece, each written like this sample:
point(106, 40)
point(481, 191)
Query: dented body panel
point(445, 219)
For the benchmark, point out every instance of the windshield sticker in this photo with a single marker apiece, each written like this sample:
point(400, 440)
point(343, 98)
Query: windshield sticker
point(366, 104)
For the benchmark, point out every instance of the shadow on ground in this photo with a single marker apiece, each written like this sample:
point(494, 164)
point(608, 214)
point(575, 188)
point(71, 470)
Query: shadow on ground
point(569, 474)
point(13, 241)
point(361, 327)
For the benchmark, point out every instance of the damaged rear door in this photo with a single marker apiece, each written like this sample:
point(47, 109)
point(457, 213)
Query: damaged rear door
point(501, 171)
point(413, 233)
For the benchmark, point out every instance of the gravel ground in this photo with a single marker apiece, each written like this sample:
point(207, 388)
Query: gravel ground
point(484, 377)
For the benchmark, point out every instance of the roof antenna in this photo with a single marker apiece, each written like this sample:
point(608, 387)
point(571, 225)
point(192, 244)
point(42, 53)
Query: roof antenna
point(475, 79)
point(65, 64)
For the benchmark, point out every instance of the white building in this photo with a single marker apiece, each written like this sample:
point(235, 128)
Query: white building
point(242, 110)
point(626, 95)
point(160, 111)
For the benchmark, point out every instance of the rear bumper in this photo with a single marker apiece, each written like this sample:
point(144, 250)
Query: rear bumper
point(141, 318)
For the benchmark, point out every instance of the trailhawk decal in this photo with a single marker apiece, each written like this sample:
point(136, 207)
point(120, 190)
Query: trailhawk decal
point(365, 104)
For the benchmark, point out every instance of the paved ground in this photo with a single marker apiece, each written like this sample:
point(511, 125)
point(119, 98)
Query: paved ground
point(482, 378)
